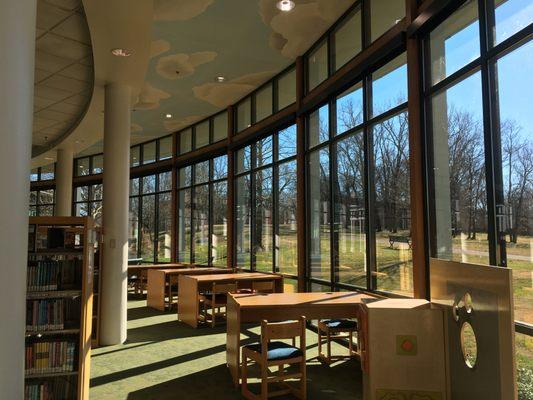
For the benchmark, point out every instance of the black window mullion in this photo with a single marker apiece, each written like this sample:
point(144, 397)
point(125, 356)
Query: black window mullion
point(193, 210)
point(210, 213)
point(253, 210)
point(156, 217)
point(275, 203)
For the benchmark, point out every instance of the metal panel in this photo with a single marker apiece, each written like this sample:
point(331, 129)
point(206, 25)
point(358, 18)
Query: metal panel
point(492, 376)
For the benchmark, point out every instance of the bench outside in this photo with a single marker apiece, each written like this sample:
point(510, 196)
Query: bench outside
point(399, 239)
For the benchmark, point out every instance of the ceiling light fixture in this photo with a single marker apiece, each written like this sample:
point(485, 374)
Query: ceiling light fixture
point(220, 79)
point(49, 159)
point(121, 52)
point(168, 116)
point(285, 5)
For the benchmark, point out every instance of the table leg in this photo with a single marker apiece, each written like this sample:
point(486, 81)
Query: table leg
point(233, 340)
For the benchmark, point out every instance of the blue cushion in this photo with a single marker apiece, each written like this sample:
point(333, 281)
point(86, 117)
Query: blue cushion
point(277, 350)
point(340, 323)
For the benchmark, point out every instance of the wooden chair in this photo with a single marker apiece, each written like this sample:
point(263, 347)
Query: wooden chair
point(270, 353)
point(263, 287)
point(336, 329)
point(172, 290)
point(216, 299)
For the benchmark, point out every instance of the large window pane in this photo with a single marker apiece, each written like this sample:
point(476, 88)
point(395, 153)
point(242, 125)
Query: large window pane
point(201, 224)
point(47, 172)
point(318, 126)
point(165, 181)
point(243, 159)
point(220, 167)
point(82, 166)
point(389, 85)
point(264, 151)
point(46, 196)
point(287, 142)
point(287, 89)
point(135, 156)
point(392, 205)
point(455, 42)
point(185, 177)
point(148, 228)
point(220, 127)
point(133, 228)
point(201, 134)
point(34, 175)
point(98, 164)
point(511, 17)
point(243, 220)
point(319, 215)
point(184, 225)
point(350, 108)
point(244, 114)
point(317, 66)
point(459, 173)
point(263, 102)
point(515, 86)
point(164, 238)
point(201, 172)
point(263, 245)
point(148, 183)
point(286, 241)
point(349, 195)
point(219, 252)
point(347, 38)
point(384, 14)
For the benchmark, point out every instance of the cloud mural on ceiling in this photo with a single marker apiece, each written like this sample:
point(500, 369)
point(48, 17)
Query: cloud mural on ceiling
point(295, 31)
point(174, 125)
point(150, 97)
point(181, 65)
point(224, 94)
point(158, 47)
point(179, 10)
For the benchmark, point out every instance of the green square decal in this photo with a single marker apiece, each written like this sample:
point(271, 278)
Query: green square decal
point(406, 345)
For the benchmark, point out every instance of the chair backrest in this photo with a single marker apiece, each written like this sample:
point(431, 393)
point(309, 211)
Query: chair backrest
point(283, 330)
point(263, 286)
point(224, 287)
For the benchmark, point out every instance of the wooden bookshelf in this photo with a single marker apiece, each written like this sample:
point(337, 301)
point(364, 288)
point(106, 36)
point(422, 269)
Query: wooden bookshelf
point(97, 285)
point(59, 306)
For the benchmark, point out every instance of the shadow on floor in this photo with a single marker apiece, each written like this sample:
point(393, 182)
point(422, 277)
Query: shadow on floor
point(341, 381)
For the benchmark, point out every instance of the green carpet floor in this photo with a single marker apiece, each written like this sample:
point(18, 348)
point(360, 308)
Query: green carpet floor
point(165, 359)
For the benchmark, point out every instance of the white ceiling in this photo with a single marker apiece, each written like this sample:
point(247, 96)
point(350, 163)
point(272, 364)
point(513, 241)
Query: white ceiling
point(63, 70)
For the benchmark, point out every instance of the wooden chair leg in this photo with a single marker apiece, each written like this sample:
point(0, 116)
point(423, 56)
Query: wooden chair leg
point(213, 313)
point(303, 380)
point(264, 382)
point(319, 342)
point(350, 343)
point(244, 377)
point(329, 345)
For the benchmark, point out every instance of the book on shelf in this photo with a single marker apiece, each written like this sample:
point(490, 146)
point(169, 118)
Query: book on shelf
point(49, 357)
point(52, 314)
point(50, 389)
point(54, 273)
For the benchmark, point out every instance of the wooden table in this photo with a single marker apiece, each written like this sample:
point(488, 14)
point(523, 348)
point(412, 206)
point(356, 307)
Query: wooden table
point(158, 279)
point(189, 288)
point(246, 308)
point(141, 271)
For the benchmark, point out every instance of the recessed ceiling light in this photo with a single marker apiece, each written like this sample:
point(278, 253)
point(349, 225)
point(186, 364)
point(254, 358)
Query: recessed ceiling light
point(220, 79)
point(121, 52)
point(285, 5)
point(168, 116)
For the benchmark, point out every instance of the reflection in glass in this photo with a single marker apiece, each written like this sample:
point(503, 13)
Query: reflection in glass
point(98, 164)
point(319, 214)
point(459, 173)
point(133, 228)
point(347, 38)
point(263, 245)
point(263, 102)
point(244, 114)
point(317, 66)
point(455, 42)
point(350, 108)
point(184, 225)
point(514, 88)
point(219, 251)
point(220, 126)
point(286, 241)
point(349, 197)
point(149, 152)
point(264, 151)
point(394, 261)
point(201, 134)
point(389, 85)
point(47, 172)
point(384, 14)
point(287, 89)
point(318, 126)
point(185, 176)
point(82, 166)
point(165, 148)
point(185, 138)
point(135, 156)
point(201, 172)
point(243, 159)
point(242, 221)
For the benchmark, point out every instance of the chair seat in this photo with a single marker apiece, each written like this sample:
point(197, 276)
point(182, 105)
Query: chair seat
point(340, 323)
point(277, 350)
point(219, 297)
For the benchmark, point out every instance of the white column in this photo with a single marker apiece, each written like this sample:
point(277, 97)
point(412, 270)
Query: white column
point(65, 160)
point(17, 41)
point(115, 214)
